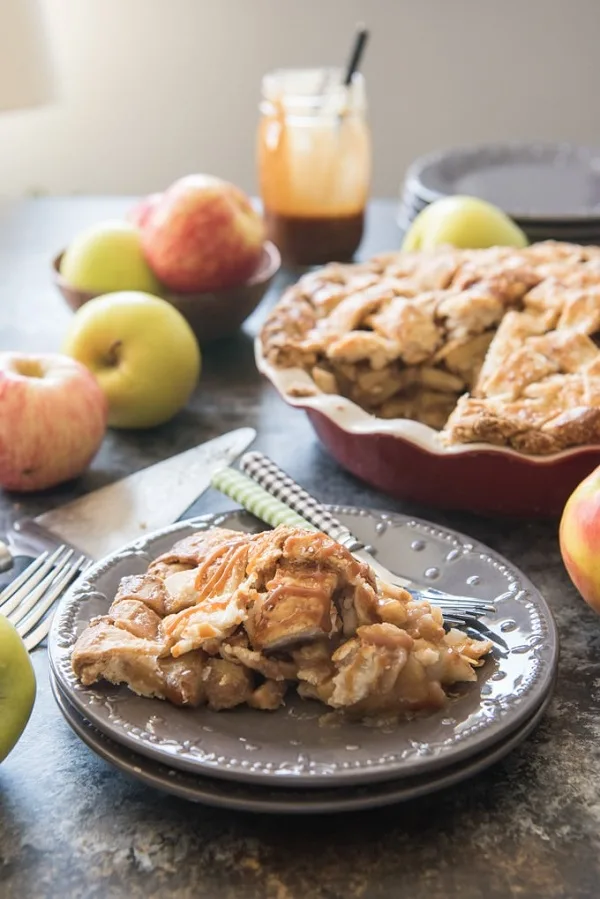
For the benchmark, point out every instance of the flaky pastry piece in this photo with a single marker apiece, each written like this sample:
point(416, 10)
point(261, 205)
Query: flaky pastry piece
point(539, 389)
point(226, 618)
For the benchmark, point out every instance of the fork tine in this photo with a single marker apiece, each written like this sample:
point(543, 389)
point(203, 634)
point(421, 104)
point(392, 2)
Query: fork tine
point(19, 589)
point(473, 608)
point(475, 629)
point(31, 597)
point(49, 598)
point(40, 633)
point(21, 578)
point(35, 637)
point(449, 606)
point(432, 594)
point(455, 620)
point(263, 479)
point(461, 615)
point(458, 603)
point(438, 598)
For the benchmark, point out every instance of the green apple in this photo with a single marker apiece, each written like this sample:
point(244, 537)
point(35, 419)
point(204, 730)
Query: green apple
point(462, 222)
point(17, 687)
point(143, 353)
point(106, 257)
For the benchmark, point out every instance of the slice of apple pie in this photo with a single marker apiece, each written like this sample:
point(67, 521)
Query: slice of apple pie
point(226, 618)
point(497, 345)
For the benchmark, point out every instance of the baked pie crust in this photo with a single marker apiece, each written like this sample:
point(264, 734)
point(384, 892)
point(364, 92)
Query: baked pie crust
point(498, 345)
point(227, 618)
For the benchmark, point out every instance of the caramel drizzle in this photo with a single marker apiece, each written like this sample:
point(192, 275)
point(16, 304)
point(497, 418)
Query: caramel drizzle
point(319, 592)
point(218, 567)
point(229, 553)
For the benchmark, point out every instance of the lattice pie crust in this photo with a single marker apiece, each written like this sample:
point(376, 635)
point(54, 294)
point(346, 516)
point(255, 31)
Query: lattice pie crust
point(497, 345)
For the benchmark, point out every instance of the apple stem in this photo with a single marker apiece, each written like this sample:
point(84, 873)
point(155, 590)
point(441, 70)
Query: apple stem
point(113, 353)
point(29, 368)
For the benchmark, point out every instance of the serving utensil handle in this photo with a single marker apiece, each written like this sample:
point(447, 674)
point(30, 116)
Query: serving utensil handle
point(256, 500)
point(285, 502)
point(282, 487)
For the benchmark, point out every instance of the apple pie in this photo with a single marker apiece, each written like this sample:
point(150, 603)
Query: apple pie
point(498, 345)
point(226, 618)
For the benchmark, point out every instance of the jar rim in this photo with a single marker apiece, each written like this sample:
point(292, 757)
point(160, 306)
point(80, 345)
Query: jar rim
point(307, 88)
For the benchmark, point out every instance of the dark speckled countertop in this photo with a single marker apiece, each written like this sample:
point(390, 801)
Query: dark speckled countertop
point(71, 826)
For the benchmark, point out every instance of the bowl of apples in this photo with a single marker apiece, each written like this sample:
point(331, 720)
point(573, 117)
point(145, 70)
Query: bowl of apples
point(200, 245)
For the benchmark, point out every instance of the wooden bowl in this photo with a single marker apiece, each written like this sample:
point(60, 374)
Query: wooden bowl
point(211, 315)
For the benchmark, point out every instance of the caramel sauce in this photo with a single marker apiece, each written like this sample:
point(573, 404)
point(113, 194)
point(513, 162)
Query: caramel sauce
point(228, 552)
point(330, 548)
point(317, 611)
point(314, 169)
point(315, 240)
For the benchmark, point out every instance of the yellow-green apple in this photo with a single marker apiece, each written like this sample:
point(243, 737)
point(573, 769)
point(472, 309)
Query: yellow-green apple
point(579, 537)
point(140, 212)
point(143, 353)
point(203, 234)
point(52, 420)
point(17, 687)
point(106, 257)
point(462, 222)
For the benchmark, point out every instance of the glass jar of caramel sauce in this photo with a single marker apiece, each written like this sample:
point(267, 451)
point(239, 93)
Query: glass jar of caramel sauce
point(314, 164)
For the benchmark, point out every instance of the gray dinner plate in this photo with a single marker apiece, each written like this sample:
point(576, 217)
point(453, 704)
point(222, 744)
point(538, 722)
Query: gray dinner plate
point(249, 798)
point(412, 202)
point(300, 744)
point(530, 180)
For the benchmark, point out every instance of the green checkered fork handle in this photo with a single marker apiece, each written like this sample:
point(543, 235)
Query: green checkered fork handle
point(256, 500)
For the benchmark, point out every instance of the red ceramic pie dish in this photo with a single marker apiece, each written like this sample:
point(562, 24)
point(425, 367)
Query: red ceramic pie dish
point(407, 460)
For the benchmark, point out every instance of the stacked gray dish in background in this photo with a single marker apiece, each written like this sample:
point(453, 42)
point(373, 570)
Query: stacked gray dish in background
point(552, 191)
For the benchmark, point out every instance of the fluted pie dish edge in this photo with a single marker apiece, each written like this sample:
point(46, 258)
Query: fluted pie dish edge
point(408, 460)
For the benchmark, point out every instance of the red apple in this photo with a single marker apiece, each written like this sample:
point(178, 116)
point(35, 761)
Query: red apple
point(140, 212)
point(203, 234)
point(579, 537)
point(52, 420)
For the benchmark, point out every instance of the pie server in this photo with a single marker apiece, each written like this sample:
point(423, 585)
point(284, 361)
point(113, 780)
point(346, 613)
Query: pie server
point(101, 522)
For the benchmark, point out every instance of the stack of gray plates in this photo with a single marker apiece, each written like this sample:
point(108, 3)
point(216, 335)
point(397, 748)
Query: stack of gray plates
point(552, 191)
point(301, 758)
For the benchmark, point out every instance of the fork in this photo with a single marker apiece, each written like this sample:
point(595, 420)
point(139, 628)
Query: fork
point(29, 598)
point(464, 611)
point(280, 485)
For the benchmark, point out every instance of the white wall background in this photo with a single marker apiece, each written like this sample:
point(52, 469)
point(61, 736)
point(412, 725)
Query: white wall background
point(153, 89)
